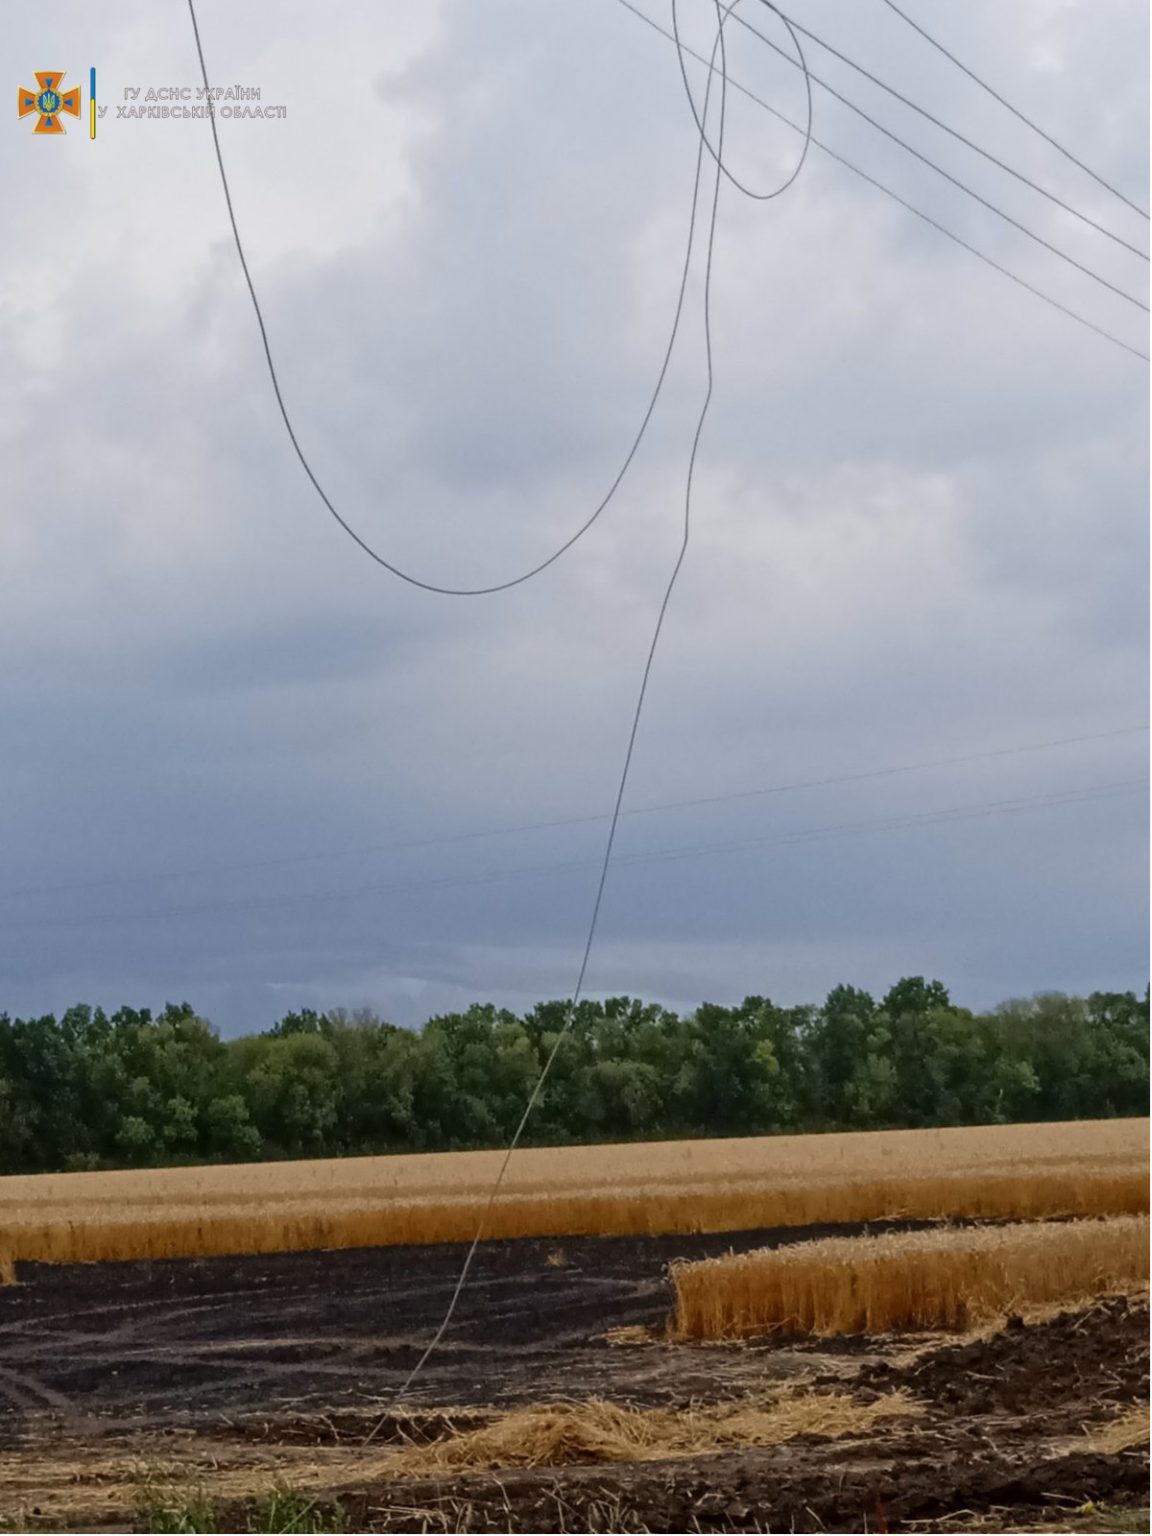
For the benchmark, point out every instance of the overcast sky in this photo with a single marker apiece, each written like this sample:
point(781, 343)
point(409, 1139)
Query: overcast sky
point(919, 521)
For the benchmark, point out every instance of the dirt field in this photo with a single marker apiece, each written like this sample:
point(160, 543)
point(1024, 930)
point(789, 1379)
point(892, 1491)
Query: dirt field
point(225, 1377)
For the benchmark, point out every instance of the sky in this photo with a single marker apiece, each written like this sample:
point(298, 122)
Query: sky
point(244, 766)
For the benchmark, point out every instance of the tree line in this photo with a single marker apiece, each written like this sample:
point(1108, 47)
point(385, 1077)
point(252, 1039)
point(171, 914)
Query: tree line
point(133, 1088)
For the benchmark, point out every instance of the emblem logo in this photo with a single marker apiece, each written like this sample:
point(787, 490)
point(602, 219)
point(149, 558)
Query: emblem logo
point(49, 101)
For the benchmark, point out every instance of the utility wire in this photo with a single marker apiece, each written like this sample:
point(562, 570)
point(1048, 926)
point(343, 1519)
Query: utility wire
point(570, 1016)
point(794, 26)
point(932, 165)
point(880, 186)
point(971, 811)
point(722, 14)
point(1015, 111)
point(898, 823)
point(800, 62)
point(657, 808)
point(721, 18)
point(395, 570)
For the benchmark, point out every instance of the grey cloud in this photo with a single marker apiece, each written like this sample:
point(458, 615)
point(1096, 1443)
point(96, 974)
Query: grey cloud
point(918, 533)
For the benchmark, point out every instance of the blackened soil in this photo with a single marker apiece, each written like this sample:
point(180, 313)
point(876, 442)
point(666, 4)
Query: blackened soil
point(186, 1337)
point(282, 1363)
point(1076, 1369)
point(899, 1486)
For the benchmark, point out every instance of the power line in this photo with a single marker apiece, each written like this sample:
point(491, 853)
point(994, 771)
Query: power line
point(1027, 181)
point(722, 15)
point(971, 811)
point(800, 62)
point(963, 186)
point(557, 823)
point(881, 773)
point(880, 186)
point(721, 19)
point(900, 823)
point(395, 570)
point(1016, 112)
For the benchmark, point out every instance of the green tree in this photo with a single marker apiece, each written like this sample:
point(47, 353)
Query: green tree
point(89, 1089)
point(838, 1043)
point(291, 1088)
point(729, 1081)
point(229, 1131)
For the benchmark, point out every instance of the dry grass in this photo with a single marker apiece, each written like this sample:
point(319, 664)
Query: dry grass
point(566, 1434)
point(986, 1172)
point(1125, 1431)
point(1034, 1312)
point(946, 1278)
point(90, 1486)
point(7, 1269)
point(629, 1335)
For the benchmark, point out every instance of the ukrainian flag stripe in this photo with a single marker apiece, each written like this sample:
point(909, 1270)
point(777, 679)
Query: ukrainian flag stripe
point(92, 102)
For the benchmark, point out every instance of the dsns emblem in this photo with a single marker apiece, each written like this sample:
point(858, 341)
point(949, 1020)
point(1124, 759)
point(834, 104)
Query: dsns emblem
point(49, 101)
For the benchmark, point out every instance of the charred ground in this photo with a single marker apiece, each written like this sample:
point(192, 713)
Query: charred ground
point(224, 1374)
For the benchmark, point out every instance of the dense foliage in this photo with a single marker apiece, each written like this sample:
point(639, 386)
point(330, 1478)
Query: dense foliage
point(92, 1090)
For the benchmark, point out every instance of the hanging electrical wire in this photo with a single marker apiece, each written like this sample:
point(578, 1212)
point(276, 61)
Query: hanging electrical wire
point(570, 1014)
point(723, 12)
point(799, 61)
point(389, 565)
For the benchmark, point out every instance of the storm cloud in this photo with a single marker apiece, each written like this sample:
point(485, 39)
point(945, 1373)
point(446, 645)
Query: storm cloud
point(243, 765)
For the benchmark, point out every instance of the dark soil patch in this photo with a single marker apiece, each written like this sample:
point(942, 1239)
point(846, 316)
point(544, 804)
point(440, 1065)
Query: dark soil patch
point(1077, 1368)
point(190, 1337)
point(786, 1490)
point(289, 1360)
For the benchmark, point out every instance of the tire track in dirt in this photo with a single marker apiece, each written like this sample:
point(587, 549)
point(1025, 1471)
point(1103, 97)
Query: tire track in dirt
point(266, 1367)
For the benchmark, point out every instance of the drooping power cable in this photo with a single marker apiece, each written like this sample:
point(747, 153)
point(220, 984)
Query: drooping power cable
point(722, 14)
point(570, 1016)
point(388, 565)
point(800, 62)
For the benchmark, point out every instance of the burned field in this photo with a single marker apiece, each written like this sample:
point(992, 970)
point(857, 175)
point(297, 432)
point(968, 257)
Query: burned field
point(557, 1400)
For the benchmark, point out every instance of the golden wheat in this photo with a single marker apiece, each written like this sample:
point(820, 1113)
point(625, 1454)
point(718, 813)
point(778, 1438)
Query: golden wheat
point(906, 1280)
point(1025, 1171)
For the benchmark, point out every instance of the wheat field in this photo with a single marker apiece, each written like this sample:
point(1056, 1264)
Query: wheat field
point(1083, 1168)
point(940, 1279)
